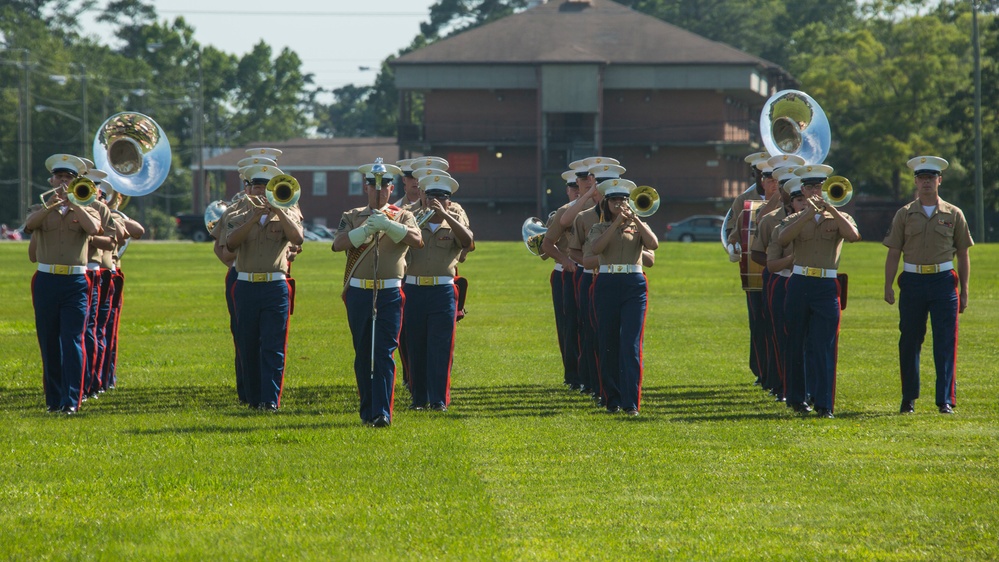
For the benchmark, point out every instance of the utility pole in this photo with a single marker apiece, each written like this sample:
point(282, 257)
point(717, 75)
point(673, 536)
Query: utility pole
point(979, 189)
point(86, 129)
point(24, 134)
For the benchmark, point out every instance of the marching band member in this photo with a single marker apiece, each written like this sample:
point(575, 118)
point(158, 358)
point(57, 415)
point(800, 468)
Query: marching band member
point(812, 305)
point(768, 217)
point(430, 296)
point(101, 289)
point(927, 234)
point(376, 235)
point(126, 228)
point(583, 221)
point(620, 295)
point(563, 286)
point(780, 259)
point(260, 238)
point(764, 176)
point(60, 288)
point(412, 197)
point(260, 157)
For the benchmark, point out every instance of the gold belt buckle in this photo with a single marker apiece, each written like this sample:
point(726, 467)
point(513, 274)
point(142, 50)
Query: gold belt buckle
point(60, 269)
point(928, 268)
point(368, 283)
point(618, 268)
point(258, 277)
point(813, 272)
point(424, 281)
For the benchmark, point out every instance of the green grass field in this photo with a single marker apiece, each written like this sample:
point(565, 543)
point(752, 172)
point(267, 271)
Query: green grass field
point(168, 466)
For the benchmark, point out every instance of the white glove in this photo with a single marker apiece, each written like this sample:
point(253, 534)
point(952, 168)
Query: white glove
point(377, 222)
point(396, 231)
point(360, 235)
point(733, 253)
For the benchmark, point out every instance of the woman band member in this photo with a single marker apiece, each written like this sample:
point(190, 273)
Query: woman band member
point(620, 295)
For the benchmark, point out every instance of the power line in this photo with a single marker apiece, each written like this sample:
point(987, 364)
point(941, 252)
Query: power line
point(296, 14)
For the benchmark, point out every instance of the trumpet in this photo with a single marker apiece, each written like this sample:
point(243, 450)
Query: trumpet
point(423, 216)
point(283, 191)
point(81, 191)
point(644, 201)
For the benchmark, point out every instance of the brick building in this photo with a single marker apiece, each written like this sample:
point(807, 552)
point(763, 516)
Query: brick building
point(511, 103)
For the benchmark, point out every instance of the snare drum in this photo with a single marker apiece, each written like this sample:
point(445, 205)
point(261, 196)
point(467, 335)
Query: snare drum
point(750, 271)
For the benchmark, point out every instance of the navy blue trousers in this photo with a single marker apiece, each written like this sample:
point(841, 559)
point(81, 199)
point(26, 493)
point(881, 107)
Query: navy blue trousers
point(103, 322)
point(757, 342)
point(934, 295)
point(376, 388)
point(429, 329)
point(768, 357)
point(230, 302)
point(91, 376)
point(811, 311)
point(109, 370)
point(777, 293)
point(587, 366)
point(262, 338)
point(555, 280)
point(620, 300)
point(60, 303)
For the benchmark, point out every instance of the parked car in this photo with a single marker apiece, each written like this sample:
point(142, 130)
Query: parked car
point(696, 228)
point(320, 231)
point(192, 226)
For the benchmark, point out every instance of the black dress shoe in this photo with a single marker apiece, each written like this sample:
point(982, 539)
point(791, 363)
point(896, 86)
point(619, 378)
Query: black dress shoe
point(381, 421)
point(779, 398)
point(269, 407)
point(800, 407)
point(824, 413)
point(908, 407)
point(69, 410)
point(417, 407)
point(439, 408)
point(946, 409)
point(613, 409)
point(633, 412)
point(53, 410)
point(600, 402)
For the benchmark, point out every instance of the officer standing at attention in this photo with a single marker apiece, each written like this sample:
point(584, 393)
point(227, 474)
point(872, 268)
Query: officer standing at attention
point(430, 310)
point(60, 288)
point(620, 295)
point(260, 238)
point(927, 234)
point(812, 306)
point(376, 238)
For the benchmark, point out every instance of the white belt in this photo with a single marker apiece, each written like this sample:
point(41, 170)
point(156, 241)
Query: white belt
point(621, 268)
point(93, 266)
point(814, 272)
point(370, 283)
point(784, 273)
point(558, 267)
point(260, 277)
point(931, 268)
point(62, 269)
point(590, 271)
point(429, 281)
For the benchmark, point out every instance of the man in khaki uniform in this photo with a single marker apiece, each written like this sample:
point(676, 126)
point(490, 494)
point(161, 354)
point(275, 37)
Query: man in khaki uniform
point(376, 233)
point(812, 305)
point(431, 297)
point(100, 292)
point(927, 234)
point(260, 238)
point(60, 289)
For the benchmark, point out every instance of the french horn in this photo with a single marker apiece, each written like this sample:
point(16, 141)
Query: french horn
point(134, 151)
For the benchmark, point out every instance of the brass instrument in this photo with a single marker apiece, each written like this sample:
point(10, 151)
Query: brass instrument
point(423, 216)
point(44, 197)
point(134, 151)
point(213, 212)
point(283, 191)
point(81, 191)
point(837, 191)
point(644, 201)
point(533, 233)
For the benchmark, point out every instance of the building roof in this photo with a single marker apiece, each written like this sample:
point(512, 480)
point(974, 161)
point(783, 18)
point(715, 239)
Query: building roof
point(316, 154)
point(580, 31)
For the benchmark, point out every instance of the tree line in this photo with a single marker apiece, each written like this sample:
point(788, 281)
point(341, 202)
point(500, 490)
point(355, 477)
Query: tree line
point(895, 78)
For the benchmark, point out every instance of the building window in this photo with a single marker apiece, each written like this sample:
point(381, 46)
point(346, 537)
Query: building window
point(319, 183)
point(356, 184)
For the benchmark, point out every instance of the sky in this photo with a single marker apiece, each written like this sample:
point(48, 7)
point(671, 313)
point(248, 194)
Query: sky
point(334, 38)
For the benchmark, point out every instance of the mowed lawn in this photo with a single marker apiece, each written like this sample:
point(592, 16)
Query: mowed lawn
point(169, 466)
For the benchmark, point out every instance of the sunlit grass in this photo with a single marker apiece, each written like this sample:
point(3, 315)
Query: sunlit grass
point(169, 466)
